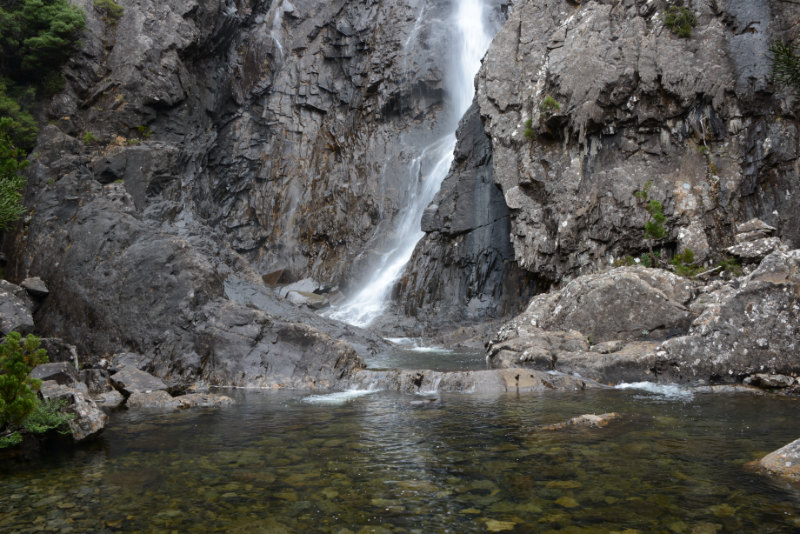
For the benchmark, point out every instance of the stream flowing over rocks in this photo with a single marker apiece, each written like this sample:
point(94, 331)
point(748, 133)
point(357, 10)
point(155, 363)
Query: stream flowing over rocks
point(251, 162)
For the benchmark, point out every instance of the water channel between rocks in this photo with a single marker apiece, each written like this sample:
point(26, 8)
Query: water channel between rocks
point(384, 462)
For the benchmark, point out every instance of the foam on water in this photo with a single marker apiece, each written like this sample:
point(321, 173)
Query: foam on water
point(669, 391)
point(340, 397)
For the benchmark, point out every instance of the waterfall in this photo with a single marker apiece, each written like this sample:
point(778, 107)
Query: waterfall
point(427, 171)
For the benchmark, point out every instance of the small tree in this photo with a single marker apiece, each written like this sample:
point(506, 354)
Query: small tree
point(785, 65)
point(17, 389)
point(654, 227)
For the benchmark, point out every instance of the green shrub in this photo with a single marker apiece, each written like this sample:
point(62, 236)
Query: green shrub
point(730, 265)
point(144, 131)
point(683, 264)
point(680, 20)
point(49, 415)
point(89, 138)
point(110, 10)
point(654, 228)
point(785, 65)
point(17, 389)
point(12, 160)
point(529, 133)
point(549, 105)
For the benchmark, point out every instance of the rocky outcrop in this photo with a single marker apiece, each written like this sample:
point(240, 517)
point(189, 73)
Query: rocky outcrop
point(633, 323)
point(783, 463)
point(464, 267)
point(750, 327)
point(88, 421)
point(488, 381)
point(587, 102)
point(16, 309)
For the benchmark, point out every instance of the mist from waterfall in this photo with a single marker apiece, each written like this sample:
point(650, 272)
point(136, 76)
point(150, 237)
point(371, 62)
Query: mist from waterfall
point(427, 171)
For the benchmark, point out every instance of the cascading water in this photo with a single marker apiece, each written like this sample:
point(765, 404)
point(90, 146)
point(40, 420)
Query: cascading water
point(428, 170)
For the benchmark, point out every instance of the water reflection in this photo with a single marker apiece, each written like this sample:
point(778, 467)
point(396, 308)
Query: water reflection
point(384, 461)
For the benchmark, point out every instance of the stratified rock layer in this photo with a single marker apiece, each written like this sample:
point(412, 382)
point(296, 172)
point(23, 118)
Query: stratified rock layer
point(587, 102)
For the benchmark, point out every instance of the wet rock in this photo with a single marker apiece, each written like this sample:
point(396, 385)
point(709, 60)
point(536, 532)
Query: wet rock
point(35, 286)
point(306, 285)
point(61, 372)
point(89, 420)
point(783, 463)
point(489, 381)
point(312, 300)
point(130, 380)
point(585, 421)
point(159, 399)
point(16, 309)
point(203, 400)
point(767, 381)
point(109, 399)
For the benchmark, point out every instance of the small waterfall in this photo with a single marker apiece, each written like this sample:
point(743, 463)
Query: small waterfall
point(427, 171)
point(277, 23)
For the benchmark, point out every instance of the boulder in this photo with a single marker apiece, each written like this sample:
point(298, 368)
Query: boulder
point(747, 328)
point(59, 350)
point(783, 463)
point(16, 309)
point(152, 399)
point(61, 372)
point(110, 399)
point(627, 303)
point(767, 381)
point(203, 400)
point(584, 421)
point(89, 420)
point(303, 298)
point(97, 380)
point(35, 287)
point(129, 380)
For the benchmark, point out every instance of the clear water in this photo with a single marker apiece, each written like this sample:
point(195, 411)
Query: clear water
point(411, 353)
point(391, 463)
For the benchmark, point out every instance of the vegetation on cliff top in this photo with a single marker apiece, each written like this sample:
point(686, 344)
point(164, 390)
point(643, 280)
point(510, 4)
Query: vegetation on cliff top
point(36, 38)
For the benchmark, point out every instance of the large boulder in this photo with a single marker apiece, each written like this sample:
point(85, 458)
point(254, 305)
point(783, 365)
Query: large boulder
point(751, 327)
point(89, 420)
point(129, 380)
point(783, 463)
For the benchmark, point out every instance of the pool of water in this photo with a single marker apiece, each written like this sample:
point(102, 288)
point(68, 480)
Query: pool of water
point(384, 462)
point(414, 353)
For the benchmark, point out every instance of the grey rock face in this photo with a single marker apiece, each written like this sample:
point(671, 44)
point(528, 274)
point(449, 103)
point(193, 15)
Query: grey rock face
point(35, 286)
point(744, 329)
point(464, 267)
point(16, 309)
point(750, 329)
point(697, 117)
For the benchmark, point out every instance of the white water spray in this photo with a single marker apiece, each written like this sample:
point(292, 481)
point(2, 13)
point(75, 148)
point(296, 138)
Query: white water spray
point(427, 171)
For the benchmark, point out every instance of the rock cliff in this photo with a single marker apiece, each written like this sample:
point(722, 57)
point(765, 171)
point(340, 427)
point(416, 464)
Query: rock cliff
point(586, 102)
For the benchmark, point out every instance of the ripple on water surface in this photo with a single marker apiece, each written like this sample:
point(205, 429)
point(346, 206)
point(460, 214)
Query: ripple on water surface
point(385, 463)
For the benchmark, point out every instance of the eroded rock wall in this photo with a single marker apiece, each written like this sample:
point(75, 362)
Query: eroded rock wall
point(697, 116)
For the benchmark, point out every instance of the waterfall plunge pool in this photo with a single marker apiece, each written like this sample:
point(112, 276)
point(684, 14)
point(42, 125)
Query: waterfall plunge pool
point(385, 462)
